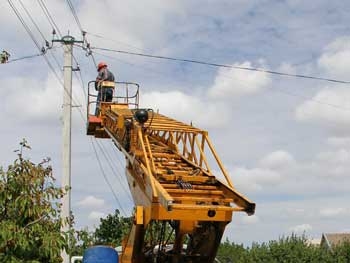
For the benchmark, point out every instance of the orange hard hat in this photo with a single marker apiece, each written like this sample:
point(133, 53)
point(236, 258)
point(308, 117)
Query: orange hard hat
point(101, 65)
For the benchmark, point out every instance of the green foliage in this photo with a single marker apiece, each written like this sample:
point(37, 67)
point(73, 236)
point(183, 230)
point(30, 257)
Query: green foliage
point(81, 240)
point(342, 253)
point(112, 229)
point(29, 212)
point(291, 249)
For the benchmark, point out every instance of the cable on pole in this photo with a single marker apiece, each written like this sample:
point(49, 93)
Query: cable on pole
point(223, 65)
point(104, 174)
point(30, 33)
point(49, 18)
point(20, 18)
point(71, 7)
point(109, 161)
point(31, 19)
point(25, 57)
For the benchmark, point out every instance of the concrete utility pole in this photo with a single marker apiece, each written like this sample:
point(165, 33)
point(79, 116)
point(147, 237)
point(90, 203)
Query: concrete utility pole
point(68, 42)
point(66, 132)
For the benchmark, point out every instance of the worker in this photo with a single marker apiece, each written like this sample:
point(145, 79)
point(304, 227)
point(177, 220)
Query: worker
point(104, 85)
point(4, 57)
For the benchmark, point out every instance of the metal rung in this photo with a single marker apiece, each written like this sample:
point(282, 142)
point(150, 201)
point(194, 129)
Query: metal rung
point(188, 178)
point(205, 207)
point(195, 192)
point(203, 199)
point(195, 187)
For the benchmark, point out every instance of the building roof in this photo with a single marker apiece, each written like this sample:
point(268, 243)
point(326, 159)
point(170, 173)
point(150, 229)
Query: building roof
point(333, 239)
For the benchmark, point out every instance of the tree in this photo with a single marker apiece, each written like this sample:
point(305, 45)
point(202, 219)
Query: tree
point(291, 249)
point(81, 240)
point(112, 229)
point(29, 212)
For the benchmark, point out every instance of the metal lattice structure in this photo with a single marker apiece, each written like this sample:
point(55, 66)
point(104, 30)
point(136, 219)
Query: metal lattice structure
point(182, 208)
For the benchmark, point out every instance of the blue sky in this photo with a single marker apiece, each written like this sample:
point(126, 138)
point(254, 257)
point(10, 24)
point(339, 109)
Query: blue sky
point(284, 140)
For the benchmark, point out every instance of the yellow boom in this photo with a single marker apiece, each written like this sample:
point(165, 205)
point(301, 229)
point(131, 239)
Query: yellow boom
point(181, 207)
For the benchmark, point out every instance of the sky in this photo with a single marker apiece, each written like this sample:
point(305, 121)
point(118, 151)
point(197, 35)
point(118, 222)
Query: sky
point(284, 140)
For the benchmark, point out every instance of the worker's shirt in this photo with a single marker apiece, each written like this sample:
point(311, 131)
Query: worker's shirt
point(105, 74)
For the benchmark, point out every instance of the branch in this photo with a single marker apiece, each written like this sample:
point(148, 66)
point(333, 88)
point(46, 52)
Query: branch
point(34, 222)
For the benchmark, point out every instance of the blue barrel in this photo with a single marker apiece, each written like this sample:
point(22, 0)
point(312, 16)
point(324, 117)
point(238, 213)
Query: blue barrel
point(100, 254)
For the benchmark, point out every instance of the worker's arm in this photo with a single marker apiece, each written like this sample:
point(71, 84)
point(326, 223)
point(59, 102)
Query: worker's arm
point(100, 77)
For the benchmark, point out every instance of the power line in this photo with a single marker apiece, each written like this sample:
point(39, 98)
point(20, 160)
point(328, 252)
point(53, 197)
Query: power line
point(40, 32)
point(30, 33)
point(109, 161)
point(82, 85)
point(20, 18)
point(335, 106)
point(224, 65)
point(54, 25)
point(113, 40)
point(76, 18)
point(42, 50)
point(31, 18)
point(104, 174)
point(49, 17)
point(71, 7)
point(25, 57)
point(338, 107)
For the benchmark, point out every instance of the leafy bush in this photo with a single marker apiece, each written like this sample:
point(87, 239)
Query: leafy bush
point(29, 212)
point(291, 249)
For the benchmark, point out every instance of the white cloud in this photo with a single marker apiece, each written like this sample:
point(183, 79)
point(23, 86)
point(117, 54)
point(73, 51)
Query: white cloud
point(34, 99)
point(91, 202)
point(300, 229)
point(187, 108)
point(333, 212)
point(329, 107)
point(277, 159)
point(340, 157)
point(128, 22)
point(95, 215)
point(250, 220)
point(230, 82)
point(287, 68)
point(38, 100)
point(336, 58)
point(325, 171)
point(255, 179)
point(341, 142)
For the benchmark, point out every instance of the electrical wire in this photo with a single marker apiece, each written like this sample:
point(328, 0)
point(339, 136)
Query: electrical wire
point(223, 65)
point(226, 76)
point(40, 32)
point(20, 18)
point(104, 174)
point(109, 161)
point(93, 59)
point(39, 48)
point(22, 58)
point(31, 18)
point(30, 33)
point(54, 25)
point(49, 17)
point(113, 40)
point(71, 7)
point(42, 50)
point(81, 82)
point(52, 22)
point(56, 60)
point(76, 18)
